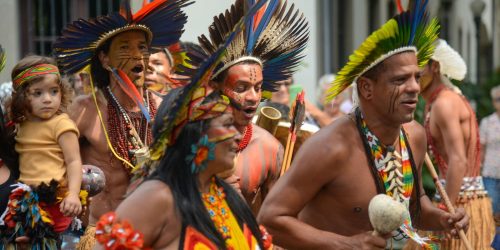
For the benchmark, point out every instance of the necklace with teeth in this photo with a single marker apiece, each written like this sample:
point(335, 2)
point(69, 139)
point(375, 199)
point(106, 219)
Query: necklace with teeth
point(395, 171)
point(393, 167)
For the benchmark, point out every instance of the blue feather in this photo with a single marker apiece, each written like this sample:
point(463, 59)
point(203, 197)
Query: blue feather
point(273, 4)
point(206, 66)
point(250, 36)
point(415, 19)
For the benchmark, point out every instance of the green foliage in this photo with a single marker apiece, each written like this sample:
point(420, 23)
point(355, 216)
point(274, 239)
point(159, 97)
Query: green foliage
point(480, 94)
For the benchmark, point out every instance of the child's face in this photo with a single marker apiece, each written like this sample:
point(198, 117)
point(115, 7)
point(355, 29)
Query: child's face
point(44, 97)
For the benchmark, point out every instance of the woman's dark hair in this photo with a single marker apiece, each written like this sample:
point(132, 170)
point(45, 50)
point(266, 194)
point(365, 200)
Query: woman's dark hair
point(175, 171)
point(20, 104)
point(8, 153)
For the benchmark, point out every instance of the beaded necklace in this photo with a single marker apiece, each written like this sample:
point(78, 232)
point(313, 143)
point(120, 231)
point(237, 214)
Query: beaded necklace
point(393, 168)
point(247, 136)
point(217, 208)
point(396, 172)
point(126, 129)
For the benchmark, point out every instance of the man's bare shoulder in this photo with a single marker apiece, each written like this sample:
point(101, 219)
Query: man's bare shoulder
point(82, 105)
point(333, 142)
point(262, 136)
point(447, 101)
point(416, 134)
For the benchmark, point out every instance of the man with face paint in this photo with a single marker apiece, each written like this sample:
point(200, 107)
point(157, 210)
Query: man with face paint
point(453, 142)
point(159, 71)
point(115, 121)
point(322, 201)
point(246, 75)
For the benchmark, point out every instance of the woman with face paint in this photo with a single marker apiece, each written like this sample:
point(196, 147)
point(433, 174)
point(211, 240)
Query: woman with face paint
point(183, 202)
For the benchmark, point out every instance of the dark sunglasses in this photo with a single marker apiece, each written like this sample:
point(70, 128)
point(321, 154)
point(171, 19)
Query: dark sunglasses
point(497, 99)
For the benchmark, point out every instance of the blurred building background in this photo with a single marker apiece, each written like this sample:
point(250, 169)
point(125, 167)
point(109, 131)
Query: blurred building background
point(337, 27)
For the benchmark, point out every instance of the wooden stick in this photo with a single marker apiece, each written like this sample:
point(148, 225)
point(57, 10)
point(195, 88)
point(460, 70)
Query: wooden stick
point(285, 154)
point(290, 154)
point(445, 197)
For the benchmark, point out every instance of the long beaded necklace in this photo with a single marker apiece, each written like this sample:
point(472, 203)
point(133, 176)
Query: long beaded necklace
point(396, 172)
point(127, 137)
point(247, 136)
point(217, 208)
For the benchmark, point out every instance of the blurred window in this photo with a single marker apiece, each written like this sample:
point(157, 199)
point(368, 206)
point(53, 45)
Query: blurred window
point(43, 20)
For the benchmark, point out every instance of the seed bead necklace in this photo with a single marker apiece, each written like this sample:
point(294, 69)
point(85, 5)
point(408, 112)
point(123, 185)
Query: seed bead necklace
point(126, 129)
point(247, 136)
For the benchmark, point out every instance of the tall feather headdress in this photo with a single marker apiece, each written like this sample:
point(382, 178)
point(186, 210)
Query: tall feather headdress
point(274, 38)
point(189, 105)
point(2, 58)
point(410, 30)
point(161, 20)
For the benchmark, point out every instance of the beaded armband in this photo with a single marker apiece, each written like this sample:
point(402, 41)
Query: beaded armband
point(114, 234)
point(267, 239)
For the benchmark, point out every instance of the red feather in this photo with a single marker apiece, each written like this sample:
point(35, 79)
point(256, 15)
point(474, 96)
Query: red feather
point(144, 11)
point(400, 6)
point(258, 16)
point(134, 93)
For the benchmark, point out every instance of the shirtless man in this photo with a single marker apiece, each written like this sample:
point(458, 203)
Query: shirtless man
point(114, 131)
point(453, 139)
point(244, 75)
point(260, 154)
point(322, 201)
point(95, 149)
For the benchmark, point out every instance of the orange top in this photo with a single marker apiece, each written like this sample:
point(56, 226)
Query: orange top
point(40, 156)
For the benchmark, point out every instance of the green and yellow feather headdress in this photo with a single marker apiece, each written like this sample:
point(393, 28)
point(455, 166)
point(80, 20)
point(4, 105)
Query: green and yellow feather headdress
point(408, 31)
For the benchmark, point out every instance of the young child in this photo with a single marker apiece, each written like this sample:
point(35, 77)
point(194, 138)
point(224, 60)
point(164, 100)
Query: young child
point(42, 204)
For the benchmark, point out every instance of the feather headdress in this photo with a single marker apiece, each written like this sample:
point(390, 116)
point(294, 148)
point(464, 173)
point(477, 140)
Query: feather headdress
point(189, 105)
point(451, 63)
point(410, 30)
point(275, 38)
point(2, 58)
point(161, 20)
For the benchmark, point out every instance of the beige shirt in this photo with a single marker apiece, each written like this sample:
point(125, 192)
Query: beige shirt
point(40, 156)
point(490, 136)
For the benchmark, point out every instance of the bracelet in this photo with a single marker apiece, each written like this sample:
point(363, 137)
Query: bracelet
point(115, 235)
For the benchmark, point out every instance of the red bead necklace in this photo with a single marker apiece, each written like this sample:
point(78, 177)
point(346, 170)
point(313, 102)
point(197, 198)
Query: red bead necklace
point(247, 136)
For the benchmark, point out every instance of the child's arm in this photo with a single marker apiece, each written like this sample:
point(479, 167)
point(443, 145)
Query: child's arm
point(68, 141)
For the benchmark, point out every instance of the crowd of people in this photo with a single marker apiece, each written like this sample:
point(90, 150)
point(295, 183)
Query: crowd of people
point(168, 125)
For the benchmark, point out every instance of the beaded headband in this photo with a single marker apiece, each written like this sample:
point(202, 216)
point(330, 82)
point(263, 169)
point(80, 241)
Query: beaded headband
point(34, 71)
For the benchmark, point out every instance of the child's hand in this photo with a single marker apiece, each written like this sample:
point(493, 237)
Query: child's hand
point(71, 205)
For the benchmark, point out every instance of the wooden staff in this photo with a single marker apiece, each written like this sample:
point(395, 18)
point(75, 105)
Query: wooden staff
point(445, 197)
point(297, 116)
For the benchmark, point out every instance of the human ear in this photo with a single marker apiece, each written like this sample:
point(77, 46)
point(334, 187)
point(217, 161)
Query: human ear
point(365, 87)
point(435, 67)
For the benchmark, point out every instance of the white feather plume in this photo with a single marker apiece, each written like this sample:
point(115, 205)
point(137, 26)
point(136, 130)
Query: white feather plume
point(451, 63)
